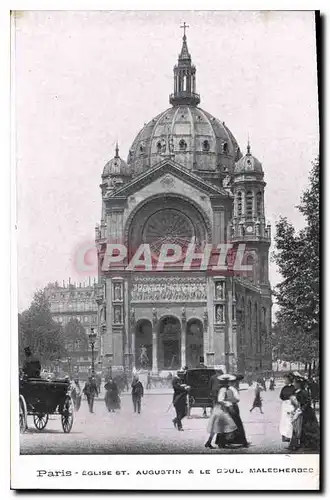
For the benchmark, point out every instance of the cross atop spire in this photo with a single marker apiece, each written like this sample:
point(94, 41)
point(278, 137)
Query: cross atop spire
point(184, 26)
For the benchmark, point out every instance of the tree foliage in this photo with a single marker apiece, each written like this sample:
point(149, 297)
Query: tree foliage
point(297, 256)
point(291, 344)
point(73, 331)
point(38, 330)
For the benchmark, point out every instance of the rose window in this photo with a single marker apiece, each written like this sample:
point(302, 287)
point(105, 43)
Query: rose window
point(168, 226)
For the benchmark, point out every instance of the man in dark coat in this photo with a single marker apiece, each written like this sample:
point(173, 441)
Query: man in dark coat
point(32, 366)
point(137, 394)
point(179, 400)
point(90, 391)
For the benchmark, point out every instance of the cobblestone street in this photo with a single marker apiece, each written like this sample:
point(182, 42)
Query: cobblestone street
point(152, 431)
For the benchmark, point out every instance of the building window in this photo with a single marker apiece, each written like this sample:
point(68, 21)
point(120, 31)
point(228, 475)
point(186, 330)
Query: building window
point(239, 204)
point(182, 145)
point(77, 345)
point(225, 148)
point(259, 204)
point(206, 145)
point(249, 204)
point(159, 146)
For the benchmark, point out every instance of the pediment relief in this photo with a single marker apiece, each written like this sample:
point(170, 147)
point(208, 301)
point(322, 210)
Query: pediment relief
point(168, 171)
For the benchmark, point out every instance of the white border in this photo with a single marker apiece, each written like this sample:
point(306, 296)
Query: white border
point(21, 466)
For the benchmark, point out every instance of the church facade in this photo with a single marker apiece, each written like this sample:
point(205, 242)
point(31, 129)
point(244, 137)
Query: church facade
point(186, 185)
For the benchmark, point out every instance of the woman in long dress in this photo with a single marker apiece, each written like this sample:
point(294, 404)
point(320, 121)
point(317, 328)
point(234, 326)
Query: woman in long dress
point(221, 423)
point(306, 431)
point(287, 408)
point(112, 400)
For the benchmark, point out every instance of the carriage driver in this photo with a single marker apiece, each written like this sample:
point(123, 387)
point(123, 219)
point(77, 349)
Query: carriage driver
point(32, 366)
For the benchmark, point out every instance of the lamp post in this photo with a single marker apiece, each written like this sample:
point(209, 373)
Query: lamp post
point(69, 366)
point(92, 340)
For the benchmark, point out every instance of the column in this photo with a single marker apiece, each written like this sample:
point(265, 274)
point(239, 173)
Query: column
point(154, 343)
point(154, 352)
point(183, 338)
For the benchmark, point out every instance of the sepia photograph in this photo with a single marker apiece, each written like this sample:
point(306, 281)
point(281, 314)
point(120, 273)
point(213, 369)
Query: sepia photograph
point(167, 230)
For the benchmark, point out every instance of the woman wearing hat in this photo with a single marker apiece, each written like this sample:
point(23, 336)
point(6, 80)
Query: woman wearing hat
point(306, 432)
point(221, 421)
point(287, 408)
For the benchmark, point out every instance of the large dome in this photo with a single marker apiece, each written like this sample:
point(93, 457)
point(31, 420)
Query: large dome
point(191, 136)
point(185, 132)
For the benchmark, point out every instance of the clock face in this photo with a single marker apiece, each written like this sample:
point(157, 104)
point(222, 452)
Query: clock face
point(249, 229)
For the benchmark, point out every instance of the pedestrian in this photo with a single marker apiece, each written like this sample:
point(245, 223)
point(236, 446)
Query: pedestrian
point(148, 381)
point(125, 382)
point(306, 432)
point(257, 402)
point(90, 391)
point(181, 391)
point(272, 383)
point(32, 366)
point(111, 398)
point(287, 408)
point(76, 394)
point(169, 379)
point(98, 381)
point(221, 422)
point(137, 394)
point(233, 396)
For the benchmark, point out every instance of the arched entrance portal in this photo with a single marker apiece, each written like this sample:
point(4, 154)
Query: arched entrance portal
point(143, 344)
point(194, 342)
point(169, 343)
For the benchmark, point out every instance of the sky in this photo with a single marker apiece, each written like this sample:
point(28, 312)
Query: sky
point(83, 80)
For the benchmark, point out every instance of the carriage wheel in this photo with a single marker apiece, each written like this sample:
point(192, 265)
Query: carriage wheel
point(22, 414)
point(40, 421)
point(67, 415)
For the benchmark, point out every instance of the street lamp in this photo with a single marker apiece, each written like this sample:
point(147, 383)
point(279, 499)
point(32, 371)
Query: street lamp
point(92, 339)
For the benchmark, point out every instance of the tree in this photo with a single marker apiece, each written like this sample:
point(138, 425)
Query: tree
point(291, 344)
point(297, 256)
point(38, 330)
point(74, 331)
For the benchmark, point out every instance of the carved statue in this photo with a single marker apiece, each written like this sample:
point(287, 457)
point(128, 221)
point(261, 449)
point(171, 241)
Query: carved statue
point(117, 315)
point(117, 291)
point(219, 290)
point(154, 316)
point(219, 316)
point(183, 315)
point(143, 358)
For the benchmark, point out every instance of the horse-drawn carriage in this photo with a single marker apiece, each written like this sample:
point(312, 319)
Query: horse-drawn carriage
point(199, 395)
point(40, 398)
